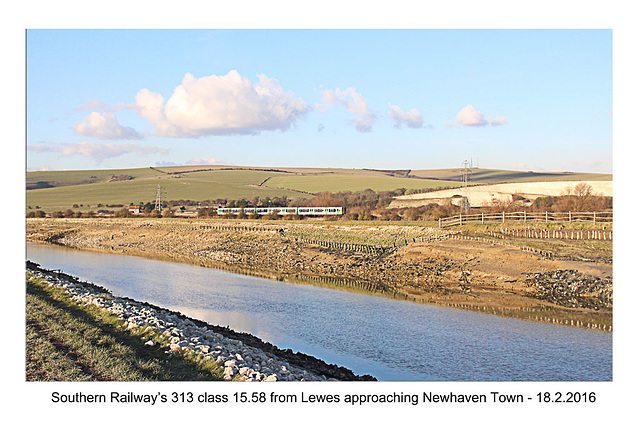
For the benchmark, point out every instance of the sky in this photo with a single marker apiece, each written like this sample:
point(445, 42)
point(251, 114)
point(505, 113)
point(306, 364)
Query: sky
point(538, 100)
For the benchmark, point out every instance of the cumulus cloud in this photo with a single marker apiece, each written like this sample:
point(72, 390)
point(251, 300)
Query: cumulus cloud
point(355, 103)
point(469, 116)
point(104, 126)
point(205, 161)
point(221, 105)
point(96, 151)
point(412, 118)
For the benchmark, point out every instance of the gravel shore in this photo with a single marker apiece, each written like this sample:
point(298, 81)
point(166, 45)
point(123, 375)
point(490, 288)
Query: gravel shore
point(243, 356)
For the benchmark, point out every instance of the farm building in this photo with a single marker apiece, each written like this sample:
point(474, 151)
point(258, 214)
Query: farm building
point(135, 209)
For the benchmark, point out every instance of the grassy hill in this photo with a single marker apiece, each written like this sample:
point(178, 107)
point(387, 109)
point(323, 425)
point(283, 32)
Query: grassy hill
point(60, 190)
point(497, 176)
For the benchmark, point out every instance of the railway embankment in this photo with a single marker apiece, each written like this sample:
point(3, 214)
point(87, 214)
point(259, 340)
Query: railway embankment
point(415, 263)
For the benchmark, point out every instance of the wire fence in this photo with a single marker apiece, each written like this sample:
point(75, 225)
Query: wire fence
point(503, 217)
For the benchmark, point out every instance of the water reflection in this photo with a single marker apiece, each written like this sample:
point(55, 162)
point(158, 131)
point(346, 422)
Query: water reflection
point(390, 339)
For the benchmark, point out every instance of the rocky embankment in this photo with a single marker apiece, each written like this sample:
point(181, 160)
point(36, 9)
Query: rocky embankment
point(243, 356)
point(570, 288)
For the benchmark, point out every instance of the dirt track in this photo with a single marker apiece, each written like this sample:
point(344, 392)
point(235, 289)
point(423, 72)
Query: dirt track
point(456, 273)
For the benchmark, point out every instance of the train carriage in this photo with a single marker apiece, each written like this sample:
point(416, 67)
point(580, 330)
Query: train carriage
point(304, 211)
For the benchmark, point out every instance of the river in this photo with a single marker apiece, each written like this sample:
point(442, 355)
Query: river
point(389, 339)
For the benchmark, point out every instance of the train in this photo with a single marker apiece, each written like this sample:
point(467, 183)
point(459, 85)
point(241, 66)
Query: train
point(304, 211)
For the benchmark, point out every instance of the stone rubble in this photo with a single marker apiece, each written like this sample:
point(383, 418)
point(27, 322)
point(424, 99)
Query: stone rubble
point(241, 362)
point(570, 288)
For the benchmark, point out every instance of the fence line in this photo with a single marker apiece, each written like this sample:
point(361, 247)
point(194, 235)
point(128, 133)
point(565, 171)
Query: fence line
point(526, 217)
point(533, 233)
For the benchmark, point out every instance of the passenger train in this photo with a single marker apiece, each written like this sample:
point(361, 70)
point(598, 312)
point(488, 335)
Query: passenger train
point(306, 211)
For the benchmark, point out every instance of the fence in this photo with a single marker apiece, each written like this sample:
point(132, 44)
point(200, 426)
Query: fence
point(526, 217)
point(532, 233)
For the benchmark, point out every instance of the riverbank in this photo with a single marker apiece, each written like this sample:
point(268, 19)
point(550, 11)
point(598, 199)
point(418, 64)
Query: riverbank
point(241, 356)
point(419, 264)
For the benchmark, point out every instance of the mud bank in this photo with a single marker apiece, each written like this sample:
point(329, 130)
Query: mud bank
point(407, 262)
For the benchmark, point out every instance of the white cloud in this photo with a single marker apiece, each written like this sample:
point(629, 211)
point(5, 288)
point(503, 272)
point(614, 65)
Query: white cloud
point(469, 116)
point(205, 161)
point(96, 151)
point(498, 121)
point(43, 168)
point(104, 126)
point(221, 105)
point(94, 104)
point(355, 103)
point(412, 118)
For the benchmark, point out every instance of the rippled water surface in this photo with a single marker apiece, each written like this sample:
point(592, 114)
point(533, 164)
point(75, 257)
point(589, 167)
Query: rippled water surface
point(391, 340)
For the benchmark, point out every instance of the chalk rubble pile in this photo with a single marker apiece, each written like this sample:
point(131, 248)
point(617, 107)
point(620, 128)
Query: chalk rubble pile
point(241, 362)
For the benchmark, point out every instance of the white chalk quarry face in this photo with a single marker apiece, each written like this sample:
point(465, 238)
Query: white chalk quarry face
point(486, 194)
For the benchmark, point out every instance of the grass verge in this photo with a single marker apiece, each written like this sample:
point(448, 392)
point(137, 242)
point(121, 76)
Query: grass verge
point(67, 341)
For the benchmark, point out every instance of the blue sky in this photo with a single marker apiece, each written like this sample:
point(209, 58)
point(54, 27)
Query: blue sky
point(390, 99)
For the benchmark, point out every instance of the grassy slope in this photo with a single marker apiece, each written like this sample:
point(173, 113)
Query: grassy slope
point(64, 178)
point(93, 186)
point(347, 182)
point(230, 184)
point(69, 342)
point(494, 176)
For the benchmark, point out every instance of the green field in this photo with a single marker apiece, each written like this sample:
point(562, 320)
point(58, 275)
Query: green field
point(60, 190)
point(336, 182)
point(71, 187)
point(496, 176)
point(69, 341)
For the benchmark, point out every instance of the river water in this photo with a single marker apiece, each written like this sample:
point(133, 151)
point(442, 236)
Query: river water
point(389, 339)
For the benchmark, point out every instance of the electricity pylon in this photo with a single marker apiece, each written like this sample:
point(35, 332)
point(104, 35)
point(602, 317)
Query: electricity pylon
point(158, 206)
